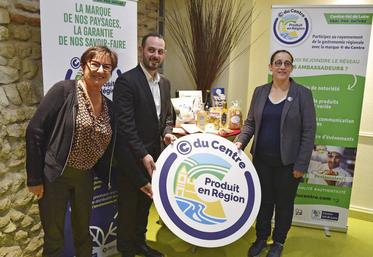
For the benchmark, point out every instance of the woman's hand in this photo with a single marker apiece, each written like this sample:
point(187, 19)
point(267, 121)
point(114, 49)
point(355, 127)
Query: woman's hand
point(298, 173)
point(37, 190)
point(238, 145)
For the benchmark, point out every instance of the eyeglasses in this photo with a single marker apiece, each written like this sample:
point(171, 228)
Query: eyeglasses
point(95, 66)
point(279, 63)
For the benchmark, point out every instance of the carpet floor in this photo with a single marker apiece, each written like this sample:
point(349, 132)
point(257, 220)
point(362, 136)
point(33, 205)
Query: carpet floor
point(301, 242)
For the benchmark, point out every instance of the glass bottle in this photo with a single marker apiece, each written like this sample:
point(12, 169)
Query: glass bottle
point(208, 103)
point(224, 116)
point(202, 119)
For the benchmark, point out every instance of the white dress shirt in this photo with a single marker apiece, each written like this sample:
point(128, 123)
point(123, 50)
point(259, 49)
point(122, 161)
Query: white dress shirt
point(154, 88)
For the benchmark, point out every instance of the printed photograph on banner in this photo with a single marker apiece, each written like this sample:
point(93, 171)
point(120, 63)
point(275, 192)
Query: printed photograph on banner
point(331, 165)
point(323, 199)
point(205, 190)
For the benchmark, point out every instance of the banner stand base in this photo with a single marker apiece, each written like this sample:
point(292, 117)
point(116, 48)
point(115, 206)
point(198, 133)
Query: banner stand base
point(327, 232)
point(194, 249)
point(336, 229)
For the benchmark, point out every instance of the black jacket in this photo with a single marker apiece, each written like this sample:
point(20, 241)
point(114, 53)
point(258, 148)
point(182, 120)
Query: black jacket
point(138, 127)
point(49, 136)
point(298, 124)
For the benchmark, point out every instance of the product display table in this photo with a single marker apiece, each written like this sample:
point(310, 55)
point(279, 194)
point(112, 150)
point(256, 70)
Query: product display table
point(228, 135)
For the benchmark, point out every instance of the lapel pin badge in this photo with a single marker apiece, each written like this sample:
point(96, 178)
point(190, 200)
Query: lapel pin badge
point(290, 99)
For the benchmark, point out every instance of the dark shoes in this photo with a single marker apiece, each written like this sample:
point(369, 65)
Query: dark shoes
point(275, 250)
point(257, 247)
point(147, 251)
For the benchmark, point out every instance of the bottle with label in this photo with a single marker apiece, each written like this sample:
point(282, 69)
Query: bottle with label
point(224, 116)
point(208, 103)
point(202, 119)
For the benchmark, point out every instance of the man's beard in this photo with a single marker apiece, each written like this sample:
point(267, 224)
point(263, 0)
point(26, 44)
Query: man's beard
point(152, 65)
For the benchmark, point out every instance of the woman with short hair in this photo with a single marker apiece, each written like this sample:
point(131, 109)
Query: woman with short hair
point(67, 137)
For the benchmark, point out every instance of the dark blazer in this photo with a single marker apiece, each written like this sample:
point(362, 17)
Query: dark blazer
point(50, 132)
point(139, 131)
point(298, 124)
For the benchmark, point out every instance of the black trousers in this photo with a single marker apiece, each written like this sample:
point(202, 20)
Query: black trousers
point(278, 187)
point(133, 212)
point(74, 186)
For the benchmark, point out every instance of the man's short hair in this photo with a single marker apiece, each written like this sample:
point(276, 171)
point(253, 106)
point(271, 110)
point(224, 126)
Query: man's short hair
point(151, 34)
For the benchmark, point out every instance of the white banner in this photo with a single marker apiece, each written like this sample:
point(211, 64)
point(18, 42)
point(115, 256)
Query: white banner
point(330, 47)
point(69, 27)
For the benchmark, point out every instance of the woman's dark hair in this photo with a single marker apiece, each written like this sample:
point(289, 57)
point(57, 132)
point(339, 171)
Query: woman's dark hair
point(94, 51)
point(281, 51)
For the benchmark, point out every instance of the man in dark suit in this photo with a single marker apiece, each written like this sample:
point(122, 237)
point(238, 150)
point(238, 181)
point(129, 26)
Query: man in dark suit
point(143, 109)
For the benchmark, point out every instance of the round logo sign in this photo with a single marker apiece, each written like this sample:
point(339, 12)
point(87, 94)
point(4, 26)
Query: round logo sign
point(205, 190)
point(291, 26)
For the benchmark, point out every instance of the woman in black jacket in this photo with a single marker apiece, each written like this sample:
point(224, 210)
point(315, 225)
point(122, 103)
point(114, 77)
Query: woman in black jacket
point(69, 134)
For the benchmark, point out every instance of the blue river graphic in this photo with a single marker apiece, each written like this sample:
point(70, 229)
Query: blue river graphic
point(194, 210)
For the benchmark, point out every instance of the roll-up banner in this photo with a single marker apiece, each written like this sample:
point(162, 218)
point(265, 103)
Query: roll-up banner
point(330, 47)
point(68, 28)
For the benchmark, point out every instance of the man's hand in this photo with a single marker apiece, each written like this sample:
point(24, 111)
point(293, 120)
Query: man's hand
point(147, 189)
point(149, 164)
point(330, 172)
point(298, 174)
point(238, 145)
point(169, 138)
point(37, 190)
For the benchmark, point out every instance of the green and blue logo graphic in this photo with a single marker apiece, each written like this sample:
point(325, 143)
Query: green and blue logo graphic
point(291, 26)
point(205, 190)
